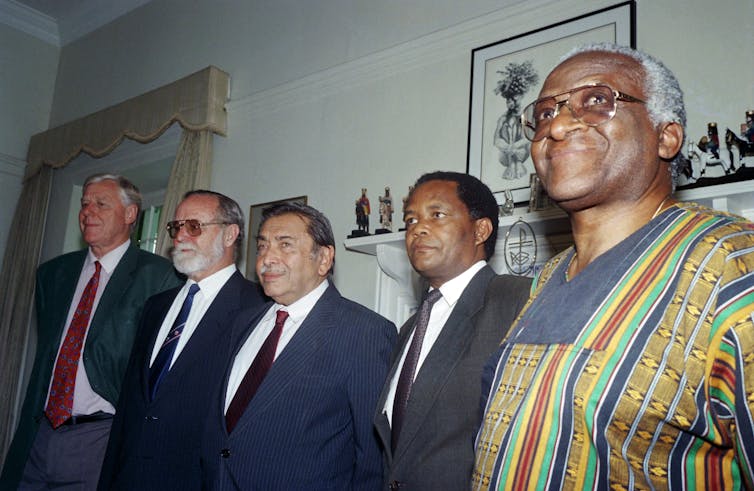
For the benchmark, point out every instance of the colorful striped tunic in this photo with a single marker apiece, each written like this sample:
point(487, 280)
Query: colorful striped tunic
point(636, 374)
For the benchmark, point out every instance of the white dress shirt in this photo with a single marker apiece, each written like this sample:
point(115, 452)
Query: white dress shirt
point(209, 287)
point(451, 291)
point(297, 313)
point(85, 399)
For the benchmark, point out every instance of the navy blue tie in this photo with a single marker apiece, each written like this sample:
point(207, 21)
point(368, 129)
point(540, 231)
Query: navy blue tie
point(161, 365)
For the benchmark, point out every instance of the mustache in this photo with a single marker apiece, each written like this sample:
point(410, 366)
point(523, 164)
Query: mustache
point(181, 248)
point(269, 269)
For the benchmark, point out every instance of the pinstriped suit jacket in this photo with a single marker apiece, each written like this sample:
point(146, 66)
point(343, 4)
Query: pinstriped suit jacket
point(154, 445)
point(436, 447)
point(309, 426)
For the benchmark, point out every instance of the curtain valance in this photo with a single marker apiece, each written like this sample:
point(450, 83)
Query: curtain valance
point(196, 102)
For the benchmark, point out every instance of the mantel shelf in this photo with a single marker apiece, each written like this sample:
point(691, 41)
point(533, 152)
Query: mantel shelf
point(399, 287)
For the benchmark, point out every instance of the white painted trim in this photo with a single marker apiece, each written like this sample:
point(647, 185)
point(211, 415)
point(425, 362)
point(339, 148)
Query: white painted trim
point(453, 42)
point(11, 166)
point(30, 21)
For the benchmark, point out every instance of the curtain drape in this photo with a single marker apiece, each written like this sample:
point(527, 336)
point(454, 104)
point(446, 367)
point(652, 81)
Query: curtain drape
point(17, 291)
point(196, 102)
point(192, 169)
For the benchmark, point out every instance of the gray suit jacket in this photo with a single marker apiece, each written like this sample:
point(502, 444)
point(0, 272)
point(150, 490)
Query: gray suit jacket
point(436, 447)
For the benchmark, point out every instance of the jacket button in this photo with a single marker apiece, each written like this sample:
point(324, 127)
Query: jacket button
point(225, 453)
point(395, 485)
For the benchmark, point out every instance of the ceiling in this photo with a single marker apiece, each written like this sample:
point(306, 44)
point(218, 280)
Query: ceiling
point(61, 21)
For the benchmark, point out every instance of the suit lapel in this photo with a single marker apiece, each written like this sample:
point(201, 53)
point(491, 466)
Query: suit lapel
point(116, 289)
point(154, 317)
point(380, 420)
point(444, 356)
point(211, 328)
point(296, 359)
point(66, 279)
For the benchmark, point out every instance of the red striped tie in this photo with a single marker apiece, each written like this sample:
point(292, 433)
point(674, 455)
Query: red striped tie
point(60, 402)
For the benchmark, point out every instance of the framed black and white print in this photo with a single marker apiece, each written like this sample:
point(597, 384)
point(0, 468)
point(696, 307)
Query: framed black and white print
point(507, 75)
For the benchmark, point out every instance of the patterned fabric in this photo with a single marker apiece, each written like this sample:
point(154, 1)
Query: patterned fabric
point(60, 402)
point(636, 374)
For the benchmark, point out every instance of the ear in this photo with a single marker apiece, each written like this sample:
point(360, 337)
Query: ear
point(230, 234)
point(325, 258)
point(482, 230)
point(131, 213)
point(670, 141)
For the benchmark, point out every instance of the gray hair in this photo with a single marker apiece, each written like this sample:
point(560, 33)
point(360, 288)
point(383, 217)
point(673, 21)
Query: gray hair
point(664, 95)
point(228, 211)
point(129, 193)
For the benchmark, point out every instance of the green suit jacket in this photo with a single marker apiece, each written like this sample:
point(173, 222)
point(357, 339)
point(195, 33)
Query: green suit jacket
point(138, 276)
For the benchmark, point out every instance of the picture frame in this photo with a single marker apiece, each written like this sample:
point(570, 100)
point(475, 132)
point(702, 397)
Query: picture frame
point(255, 219)
point(507, 75)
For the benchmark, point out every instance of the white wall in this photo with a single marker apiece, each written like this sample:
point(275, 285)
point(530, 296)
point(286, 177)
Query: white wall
point(27, 78)
point(331, 96)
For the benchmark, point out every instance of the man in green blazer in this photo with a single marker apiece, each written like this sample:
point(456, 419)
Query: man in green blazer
point(88, 304)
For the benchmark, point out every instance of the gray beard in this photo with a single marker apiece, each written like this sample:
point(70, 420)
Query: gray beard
point(190, 264)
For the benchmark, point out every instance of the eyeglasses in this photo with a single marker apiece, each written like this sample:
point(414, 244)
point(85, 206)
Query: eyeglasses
point(592, 105)
point(193, 227)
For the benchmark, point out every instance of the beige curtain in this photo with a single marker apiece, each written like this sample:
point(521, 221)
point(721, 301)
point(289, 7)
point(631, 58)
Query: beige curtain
point(196, 102)
point(192, 169)
point(17, 291)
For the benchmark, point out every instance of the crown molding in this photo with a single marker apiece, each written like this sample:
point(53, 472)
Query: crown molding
point(11, 166)
point(93, 15)
point(453, 42)
point(30, 21)
point(77, 23)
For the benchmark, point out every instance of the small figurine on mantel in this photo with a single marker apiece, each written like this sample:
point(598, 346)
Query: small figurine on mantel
point(403, 210)
point(386, 213)
point(362, 216)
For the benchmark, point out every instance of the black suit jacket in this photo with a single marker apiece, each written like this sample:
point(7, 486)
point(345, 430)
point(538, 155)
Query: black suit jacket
point(436, 447)
point(309, 425)
point(155, 444)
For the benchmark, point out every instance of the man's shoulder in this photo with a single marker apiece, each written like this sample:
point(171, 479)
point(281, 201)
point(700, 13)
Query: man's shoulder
point(348, 309)
point(509, 285)
point(146, 258)
point(64, 260)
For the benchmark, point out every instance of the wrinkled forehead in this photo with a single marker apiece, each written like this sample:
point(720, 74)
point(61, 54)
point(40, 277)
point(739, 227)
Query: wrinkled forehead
point(619, 71)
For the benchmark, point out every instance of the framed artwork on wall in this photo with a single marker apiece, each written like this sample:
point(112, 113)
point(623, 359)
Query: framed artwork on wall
point(255, 219)
point(507, 75)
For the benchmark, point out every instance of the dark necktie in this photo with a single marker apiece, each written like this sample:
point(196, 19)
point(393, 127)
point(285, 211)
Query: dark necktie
point(60, 401)
point(256, 373)
point(161, 365)
point(406, 378)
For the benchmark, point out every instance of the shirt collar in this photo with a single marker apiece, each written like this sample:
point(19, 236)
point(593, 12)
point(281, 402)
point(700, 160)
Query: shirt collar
point(110, 260)
point(301, 307)
point(453, 289)
point(212, 283)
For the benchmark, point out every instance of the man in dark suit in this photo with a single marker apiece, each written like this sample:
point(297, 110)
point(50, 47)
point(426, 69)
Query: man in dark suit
point(87, 304)
point(307, 423)
point(429, 410)
point(154, 441)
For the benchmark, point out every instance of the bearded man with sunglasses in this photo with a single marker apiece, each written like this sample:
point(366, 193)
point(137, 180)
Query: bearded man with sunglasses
point(632, 365)
point(181, 351)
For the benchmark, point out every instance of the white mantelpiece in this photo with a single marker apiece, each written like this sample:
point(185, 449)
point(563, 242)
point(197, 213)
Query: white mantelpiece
point(399, 287)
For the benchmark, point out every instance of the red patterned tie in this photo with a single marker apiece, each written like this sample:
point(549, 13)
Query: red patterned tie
point(256, 373)
point(60, 402)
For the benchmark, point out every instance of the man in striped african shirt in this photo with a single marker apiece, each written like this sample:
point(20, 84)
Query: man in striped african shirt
point(632, 364)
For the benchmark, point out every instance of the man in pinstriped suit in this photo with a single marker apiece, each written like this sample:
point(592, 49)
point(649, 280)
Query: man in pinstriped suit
point(308, 426)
